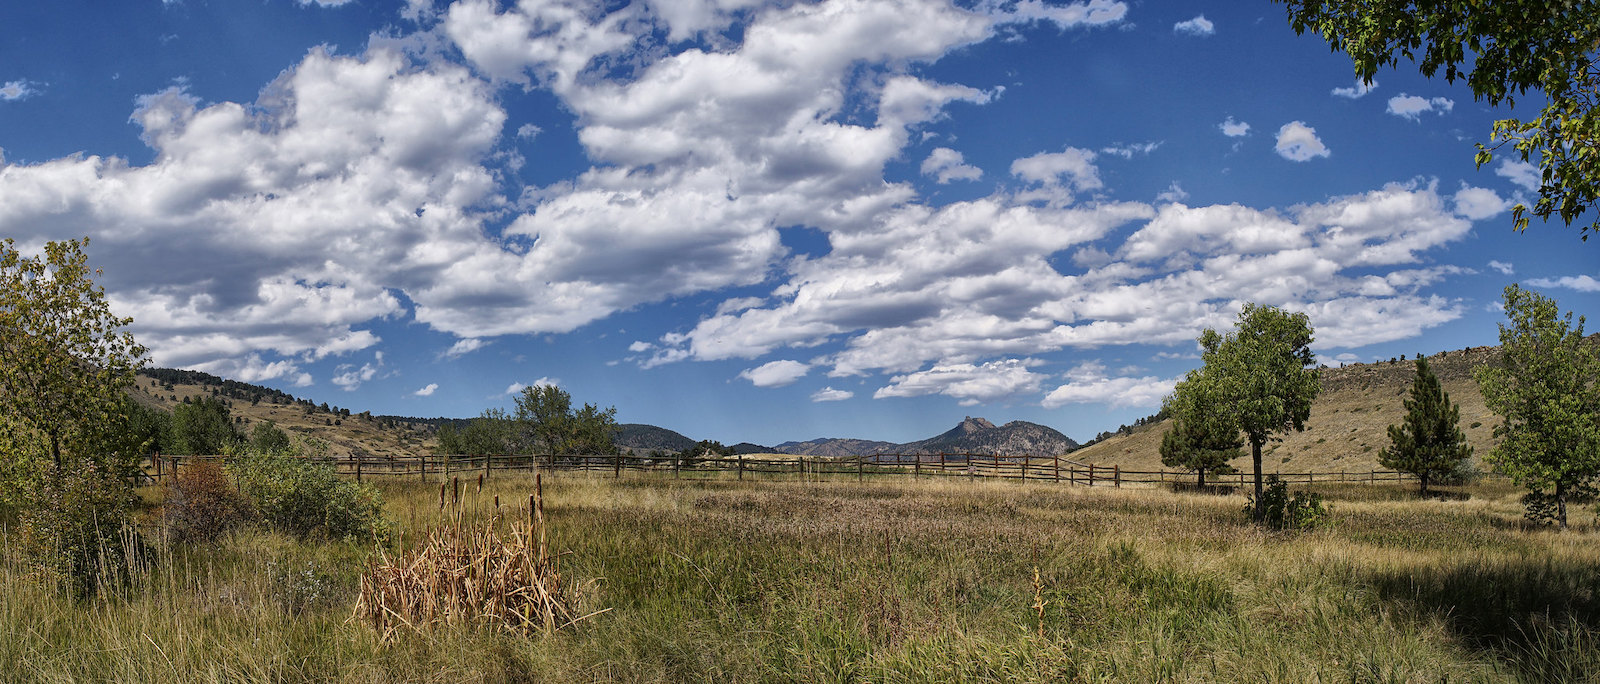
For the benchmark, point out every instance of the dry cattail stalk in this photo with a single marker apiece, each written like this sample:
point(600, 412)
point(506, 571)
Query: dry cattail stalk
point(472, 574)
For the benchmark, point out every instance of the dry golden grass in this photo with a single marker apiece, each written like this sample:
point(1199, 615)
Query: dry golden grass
point(1349, 421)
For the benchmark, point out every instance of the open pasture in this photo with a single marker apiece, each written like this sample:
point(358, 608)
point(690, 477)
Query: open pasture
point(761, 580)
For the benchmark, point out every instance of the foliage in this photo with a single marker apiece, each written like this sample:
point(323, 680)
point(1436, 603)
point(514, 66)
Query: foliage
point(1259, 374)
point(702, 449)
point(1545, 391)
point(547, 423)
point(1512, 47)
point(1203, 436)
point(1279, 509)
point(542, 422)
point(76, 529)
point(302, 497)
point(490, 433)
point(202, 504)
point(204, 426)
point(64, 358)
point(1429, 442)
point(266, 438)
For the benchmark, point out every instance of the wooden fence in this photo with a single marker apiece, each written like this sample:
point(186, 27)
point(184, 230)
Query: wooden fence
point(944, 465)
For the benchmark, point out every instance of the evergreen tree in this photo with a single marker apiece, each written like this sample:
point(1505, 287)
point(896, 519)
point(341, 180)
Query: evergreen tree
point(1203, 437)
point(1429, 443)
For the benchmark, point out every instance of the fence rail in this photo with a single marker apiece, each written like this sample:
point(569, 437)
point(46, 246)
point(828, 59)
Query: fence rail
point(943, 465)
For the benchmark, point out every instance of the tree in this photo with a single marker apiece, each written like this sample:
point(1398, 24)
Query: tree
point(1545, 390)
point(64, 358)
point(492, 432)
point(266, 438)
point(202, 427)
point(1428, 443)
point(1512, 47)
point(1261, 377)
point(547, 424)
point(1203, 435)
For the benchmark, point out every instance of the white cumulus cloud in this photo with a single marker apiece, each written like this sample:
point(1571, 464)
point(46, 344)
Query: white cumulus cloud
point(971, 383)
point(1234, 129)
point(1360, 89)
point(426, 391)
point(1580, 283)
point(1299, 142)
point(1479, 203)
point(1198, 26)
point(1089, 383)
point(945, 165)
point(20, 89)
point(1501, 266)
point(831, 394)
point(1413, 107)
point(775, 373)
point(1520, 173)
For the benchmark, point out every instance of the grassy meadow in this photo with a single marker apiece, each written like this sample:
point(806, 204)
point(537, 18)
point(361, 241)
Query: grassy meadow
point(954, 580)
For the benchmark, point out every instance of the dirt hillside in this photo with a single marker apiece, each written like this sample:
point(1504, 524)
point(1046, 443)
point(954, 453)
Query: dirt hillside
point(1349, 419)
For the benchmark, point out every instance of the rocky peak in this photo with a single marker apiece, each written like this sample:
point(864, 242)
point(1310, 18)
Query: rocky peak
point(970, 425)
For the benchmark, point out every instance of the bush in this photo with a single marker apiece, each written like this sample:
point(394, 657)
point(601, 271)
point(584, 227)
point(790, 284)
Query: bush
point(76, 529)
point(1285, 511)
point(202, 504)
point(303, 497)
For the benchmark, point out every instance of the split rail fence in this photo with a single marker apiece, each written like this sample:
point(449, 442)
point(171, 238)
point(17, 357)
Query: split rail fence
point(946, 465)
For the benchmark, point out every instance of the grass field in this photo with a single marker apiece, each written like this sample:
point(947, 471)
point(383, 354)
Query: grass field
point(719, 580)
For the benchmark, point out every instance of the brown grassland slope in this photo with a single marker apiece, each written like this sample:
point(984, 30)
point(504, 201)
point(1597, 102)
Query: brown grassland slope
point(1349, 420)
point(356, 433)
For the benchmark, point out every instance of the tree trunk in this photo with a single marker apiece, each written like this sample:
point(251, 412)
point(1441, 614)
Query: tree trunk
point(1202, 483)
point(55, 449)
point(1423, 478)
point(1561, 505)
point(1255, 459)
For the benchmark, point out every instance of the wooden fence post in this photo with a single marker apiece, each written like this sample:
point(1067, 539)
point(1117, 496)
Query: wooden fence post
point(740, 458)
point(488, 460)
point(358, 468)
point(618, 469)
point(1091, 474)
point(1116, 475)
point(916, 468)
point(861, 467)
point(1056, 466)
point(1025, 460)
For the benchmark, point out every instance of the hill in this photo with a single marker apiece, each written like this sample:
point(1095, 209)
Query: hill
point(1349, 419)
point(972, 435)
point(346, 433)
point(649, 438)
point(834, 447)
point(976, 435)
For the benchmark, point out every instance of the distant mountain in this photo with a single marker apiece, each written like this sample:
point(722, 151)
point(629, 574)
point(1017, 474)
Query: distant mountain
point(979, 436)
point(649, 437)
point(972, 435)
point(835, 446)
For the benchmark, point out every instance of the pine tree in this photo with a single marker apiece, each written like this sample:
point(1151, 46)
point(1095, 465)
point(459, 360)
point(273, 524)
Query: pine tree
point(1203, 437)
point(1429, 442)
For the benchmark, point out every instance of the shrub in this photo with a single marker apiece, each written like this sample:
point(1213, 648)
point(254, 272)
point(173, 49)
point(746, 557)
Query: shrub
point(76, 529)
point(1282, 510)
point(202, 504)
point(302, 497)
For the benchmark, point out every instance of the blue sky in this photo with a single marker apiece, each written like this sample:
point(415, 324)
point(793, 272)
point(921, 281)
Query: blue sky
point(750, 221)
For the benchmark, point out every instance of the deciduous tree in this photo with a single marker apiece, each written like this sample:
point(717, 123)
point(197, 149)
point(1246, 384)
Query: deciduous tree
point(65, 359)
point(1428, 443)
point(1545, 390)
point(1503, 50)
point(1261, 374)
